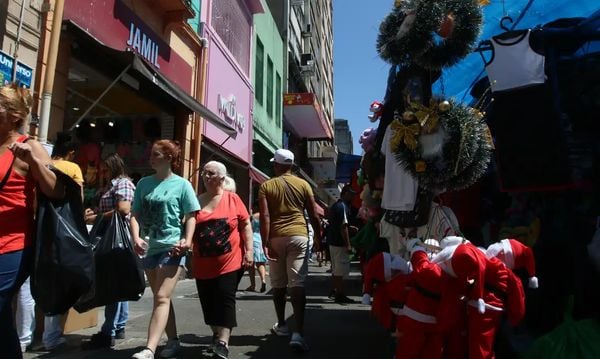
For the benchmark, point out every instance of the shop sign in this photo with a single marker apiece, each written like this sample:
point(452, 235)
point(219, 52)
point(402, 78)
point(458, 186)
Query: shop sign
point(143, 44)
point(227, 107)
point(292, 99)
point(24, 72)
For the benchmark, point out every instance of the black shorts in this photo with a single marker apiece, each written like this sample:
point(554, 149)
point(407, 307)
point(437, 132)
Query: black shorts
point(217, 297)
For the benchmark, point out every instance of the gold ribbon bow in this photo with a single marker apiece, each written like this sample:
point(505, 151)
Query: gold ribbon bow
point(427, 116)
point(404, 133)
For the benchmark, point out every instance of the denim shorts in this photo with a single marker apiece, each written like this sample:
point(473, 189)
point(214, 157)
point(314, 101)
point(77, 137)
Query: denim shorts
point(162, 259)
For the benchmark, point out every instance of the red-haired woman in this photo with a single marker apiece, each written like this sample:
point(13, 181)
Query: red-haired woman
point(164, 208)
point(23, 165)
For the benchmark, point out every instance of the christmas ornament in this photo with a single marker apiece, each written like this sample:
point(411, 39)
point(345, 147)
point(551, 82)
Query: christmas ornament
point(405, 135)
point(456, 21)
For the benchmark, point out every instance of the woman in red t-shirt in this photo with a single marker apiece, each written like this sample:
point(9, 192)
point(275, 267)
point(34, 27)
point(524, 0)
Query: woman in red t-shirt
point(23, 164)
point(222, 249)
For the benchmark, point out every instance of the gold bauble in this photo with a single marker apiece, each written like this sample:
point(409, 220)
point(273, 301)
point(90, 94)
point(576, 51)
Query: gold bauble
point(408, 116)
point(444, 106)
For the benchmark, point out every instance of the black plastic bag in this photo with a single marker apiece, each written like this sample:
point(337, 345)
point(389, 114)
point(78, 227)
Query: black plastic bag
point(64, 263)
point(119, 272)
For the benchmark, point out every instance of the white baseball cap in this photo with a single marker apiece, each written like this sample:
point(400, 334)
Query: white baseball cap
point(283, 157)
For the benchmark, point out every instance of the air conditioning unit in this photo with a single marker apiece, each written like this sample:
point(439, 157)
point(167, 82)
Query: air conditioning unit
point(307, 60)
point(307, 64)
point(307, 30)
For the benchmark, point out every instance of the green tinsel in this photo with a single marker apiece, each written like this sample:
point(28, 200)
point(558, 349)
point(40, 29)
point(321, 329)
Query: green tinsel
point(418, 43)
point(460, 164)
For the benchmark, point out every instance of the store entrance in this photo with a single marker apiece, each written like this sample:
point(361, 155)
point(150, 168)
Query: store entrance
point(123, 121)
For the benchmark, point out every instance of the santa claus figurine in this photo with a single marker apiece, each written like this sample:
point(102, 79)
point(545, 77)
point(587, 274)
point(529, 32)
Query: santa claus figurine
point(516, 256)
point(385, 277)
point(376, 109)
point(419, 334)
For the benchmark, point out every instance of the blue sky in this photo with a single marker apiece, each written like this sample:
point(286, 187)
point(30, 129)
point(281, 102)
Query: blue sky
point(359, 74)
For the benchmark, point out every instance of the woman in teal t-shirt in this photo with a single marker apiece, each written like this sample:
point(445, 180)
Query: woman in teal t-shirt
point(162, 226)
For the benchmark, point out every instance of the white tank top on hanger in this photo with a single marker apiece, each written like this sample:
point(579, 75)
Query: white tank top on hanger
point(515, 64)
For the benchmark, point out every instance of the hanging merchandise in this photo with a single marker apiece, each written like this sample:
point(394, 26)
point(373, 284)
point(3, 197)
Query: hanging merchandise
point(514, 62)
point(451, 160)
point(376, 109)
point(64, 266)
point(433, 34)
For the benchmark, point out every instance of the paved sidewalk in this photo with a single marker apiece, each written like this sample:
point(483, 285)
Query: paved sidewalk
point(332, 330)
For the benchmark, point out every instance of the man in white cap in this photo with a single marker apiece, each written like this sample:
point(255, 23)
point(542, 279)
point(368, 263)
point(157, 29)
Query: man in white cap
point(284, 233)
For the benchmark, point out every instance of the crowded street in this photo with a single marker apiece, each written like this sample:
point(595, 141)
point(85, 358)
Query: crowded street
point(333, 330)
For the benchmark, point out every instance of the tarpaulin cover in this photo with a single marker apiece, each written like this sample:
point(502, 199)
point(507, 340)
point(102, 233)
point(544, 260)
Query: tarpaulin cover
point(457, 80)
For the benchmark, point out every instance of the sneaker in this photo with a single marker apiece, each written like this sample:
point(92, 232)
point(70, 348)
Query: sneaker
point(298, 343)
point(144, 354)
point(342, 299)
point(280, 330)
point(220, 350)
point(120, 334)
point(170, 349)
point(99, 340)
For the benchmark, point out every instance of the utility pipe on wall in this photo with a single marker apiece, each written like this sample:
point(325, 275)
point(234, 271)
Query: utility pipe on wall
point(17, 42)
point(59, 6)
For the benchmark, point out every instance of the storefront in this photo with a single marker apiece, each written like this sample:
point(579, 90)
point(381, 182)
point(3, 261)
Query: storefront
point(229, 91)
point(120, 85)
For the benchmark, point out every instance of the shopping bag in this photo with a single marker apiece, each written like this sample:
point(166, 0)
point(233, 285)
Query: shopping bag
point(119, 271)
point(64, 265)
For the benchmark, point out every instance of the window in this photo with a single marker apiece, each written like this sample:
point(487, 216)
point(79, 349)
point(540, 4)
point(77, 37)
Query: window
point(269, 87)
point(278, 100)
point(233, 27)
point(259, 71)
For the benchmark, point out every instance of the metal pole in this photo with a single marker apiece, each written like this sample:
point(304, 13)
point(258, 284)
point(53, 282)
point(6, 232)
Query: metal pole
point(17, 41)
point(89, 109)
point(57, 17)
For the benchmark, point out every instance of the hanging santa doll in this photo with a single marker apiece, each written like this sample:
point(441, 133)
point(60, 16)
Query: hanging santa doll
point(420, 336)
point(385, 279)
point(516, 256)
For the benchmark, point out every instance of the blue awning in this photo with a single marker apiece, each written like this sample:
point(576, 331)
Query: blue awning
point(347, 165)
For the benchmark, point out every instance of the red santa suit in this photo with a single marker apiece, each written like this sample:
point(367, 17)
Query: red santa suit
point(385, 279)
point(417, 322)
point(484, 284)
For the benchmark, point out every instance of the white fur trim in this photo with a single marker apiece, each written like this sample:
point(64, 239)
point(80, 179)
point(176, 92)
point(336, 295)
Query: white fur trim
point(444, 260)
point(509, 257)
point(387, 266)
point(400, 264)
point(533, 282)
point(481, 304)
point(493, 250)
point(451, 241)
point(418, 316)
point(366, 299)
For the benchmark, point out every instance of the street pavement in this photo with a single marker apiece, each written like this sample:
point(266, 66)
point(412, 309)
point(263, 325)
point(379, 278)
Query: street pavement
point(332, 330)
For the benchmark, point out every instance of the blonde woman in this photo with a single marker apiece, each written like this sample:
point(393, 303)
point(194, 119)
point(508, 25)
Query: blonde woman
point(23, 166)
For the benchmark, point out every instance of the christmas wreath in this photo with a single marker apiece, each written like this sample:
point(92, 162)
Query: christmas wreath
point(408, 33)
point(455, 154)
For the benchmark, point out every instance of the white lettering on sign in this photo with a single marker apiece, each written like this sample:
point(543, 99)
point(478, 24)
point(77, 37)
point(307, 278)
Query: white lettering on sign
point(143, 45)
point(227, 107)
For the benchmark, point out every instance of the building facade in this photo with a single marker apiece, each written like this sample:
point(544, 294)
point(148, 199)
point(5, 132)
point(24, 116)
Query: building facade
point(343, 137)
point(19, 36)
point(306, 27)
point(126, 75)
point(228, 28)
point(269, 81)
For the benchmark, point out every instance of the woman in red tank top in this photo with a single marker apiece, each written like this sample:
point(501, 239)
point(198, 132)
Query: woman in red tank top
point(23, 165)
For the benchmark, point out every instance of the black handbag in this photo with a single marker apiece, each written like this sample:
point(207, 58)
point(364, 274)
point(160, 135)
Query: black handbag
point(119, 271)
point(419, 216)
point(64, 265)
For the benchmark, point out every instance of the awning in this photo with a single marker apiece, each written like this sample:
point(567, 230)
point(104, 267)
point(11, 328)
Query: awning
point(257, 175)
point(131, 61)
point(303, 115)
point(347, 165)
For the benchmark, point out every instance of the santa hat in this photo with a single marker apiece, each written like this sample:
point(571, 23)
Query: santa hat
point(467, 263)
point(516, 256)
